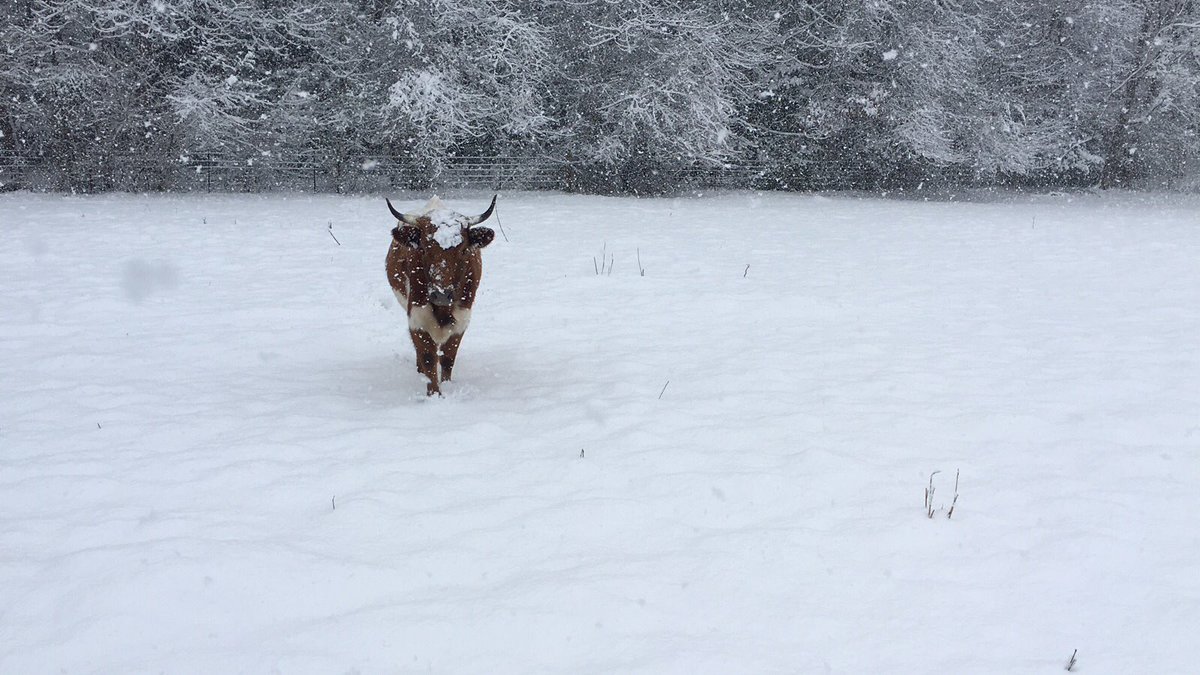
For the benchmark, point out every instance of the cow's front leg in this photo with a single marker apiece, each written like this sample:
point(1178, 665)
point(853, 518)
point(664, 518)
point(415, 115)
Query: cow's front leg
point(427, 359)
point(449, 353)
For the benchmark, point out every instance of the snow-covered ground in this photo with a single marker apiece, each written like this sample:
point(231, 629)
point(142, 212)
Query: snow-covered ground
point(216, 455)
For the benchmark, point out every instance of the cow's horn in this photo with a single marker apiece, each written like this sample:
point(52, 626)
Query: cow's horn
point(402, 217)
point(471, 222)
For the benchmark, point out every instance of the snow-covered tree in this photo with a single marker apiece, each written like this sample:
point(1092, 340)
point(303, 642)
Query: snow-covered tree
point(624, 95)
point(459, 78)
point(1154, 111)
point(648, 85)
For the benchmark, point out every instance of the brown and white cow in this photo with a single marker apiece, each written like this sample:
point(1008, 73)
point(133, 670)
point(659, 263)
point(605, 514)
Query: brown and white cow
point(434, 267)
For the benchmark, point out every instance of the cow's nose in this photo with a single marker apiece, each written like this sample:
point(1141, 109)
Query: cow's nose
point(441, 297)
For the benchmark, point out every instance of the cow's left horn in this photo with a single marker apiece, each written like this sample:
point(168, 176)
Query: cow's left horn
point(472, 222)
point(402, 217)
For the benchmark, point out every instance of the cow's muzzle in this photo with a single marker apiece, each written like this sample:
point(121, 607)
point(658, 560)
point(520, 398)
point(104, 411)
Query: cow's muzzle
point(441, 297)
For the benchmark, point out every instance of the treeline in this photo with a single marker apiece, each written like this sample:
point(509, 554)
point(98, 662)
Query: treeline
point(621, 94)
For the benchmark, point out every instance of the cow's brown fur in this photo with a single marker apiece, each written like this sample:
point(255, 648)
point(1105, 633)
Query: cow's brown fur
point(416, 267)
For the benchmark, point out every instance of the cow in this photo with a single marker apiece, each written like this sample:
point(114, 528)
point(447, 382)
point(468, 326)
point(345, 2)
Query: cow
point(434, 267)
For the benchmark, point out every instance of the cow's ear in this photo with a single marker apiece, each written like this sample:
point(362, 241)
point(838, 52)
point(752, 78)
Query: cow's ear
point(480, 236)
point(407, 235)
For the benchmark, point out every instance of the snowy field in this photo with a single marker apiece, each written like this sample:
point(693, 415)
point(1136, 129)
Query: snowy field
point(216, 455)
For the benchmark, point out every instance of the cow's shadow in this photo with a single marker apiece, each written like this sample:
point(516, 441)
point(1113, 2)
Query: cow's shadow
point(389, 378)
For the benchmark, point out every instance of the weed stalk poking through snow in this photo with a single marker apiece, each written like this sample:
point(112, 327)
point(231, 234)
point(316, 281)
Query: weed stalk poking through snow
point(604, 256)
point(929, 492)
point(950, 513)
point(501, 226)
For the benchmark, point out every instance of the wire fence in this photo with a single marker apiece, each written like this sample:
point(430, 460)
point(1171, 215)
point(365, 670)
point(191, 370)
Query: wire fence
point(213, 173)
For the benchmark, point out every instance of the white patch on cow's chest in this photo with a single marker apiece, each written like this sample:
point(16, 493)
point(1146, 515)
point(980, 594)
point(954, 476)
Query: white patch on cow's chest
point(420, 317)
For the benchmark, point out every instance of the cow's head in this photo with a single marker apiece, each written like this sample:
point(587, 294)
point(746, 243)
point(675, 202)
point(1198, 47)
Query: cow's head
point(444, 243)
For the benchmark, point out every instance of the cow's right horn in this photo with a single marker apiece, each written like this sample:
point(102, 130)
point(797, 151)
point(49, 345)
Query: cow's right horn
point(472, 222)
point(402, 217)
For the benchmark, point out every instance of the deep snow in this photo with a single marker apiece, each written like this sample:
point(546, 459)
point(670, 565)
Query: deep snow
point(216, 455)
